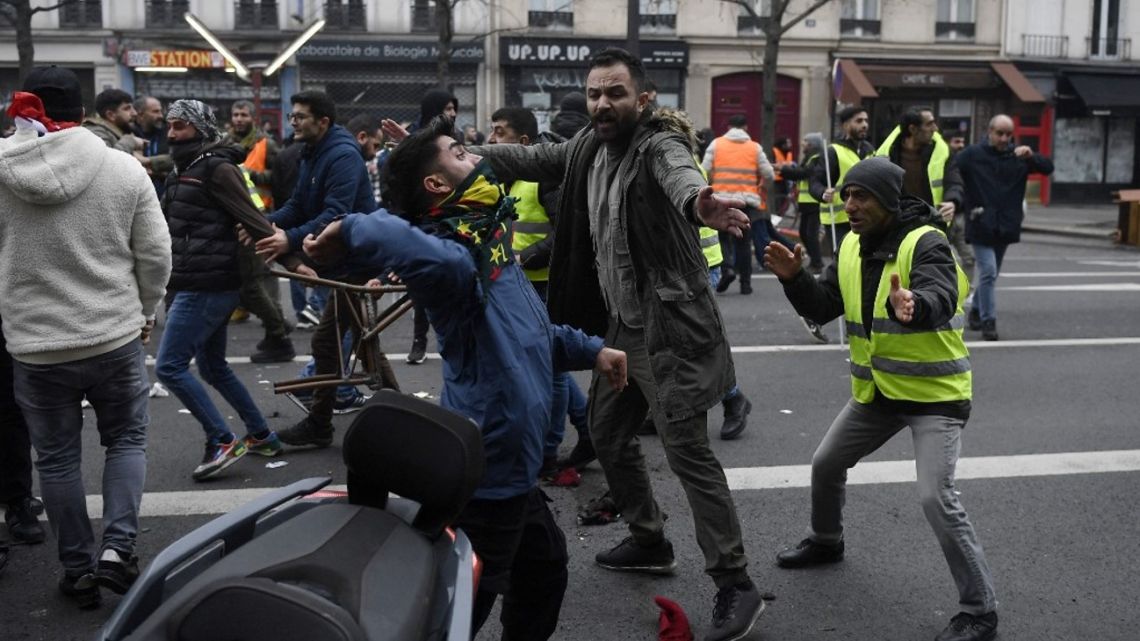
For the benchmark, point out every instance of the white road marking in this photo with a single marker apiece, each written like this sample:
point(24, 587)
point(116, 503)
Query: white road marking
point(1085, 287)
point(205, 502)
point(1066, 274)
point(980, 467)
point(1111, 263)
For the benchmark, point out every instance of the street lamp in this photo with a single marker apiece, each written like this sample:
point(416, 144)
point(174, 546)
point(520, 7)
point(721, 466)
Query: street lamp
point(255, 72)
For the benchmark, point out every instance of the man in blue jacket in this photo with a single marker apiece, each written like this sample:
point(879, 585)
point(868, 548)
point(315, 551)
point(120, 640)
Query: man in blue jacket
point(994, 175)
point(332, 181)
point(499, 354)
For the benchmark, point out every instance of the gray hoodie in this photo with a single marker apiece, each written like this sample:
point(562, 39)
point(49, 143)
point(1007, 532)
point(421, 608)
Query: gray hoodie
point(84, 249)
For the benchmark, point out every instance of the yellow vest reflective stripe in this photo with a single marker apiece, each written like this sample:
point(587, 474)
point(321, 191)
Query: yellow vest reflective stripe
point(257, 160)
point(710, 247)
point(903, 363)
point(847, 159)
point(253, 194)
point(935, 169)
point(805, 191)
point(532, 226)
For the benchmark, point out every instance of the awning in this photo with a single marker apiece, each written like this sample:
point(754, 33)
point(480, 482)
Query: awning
point(1017, 82)
point(1117, 94)
point(849, 84)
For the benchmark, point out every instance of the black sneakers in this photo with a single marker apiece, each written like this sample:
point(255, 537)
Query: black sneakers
point(82, 589)
point(116, 572)
point(23, 525)
point(735, 612)
point(736, 410)
point(989, 330)
point(582, 455)
point(815, 329)
point(418, 353)
point(974, 319)
point(306, 432)
point(969, 627)
point(809, 553)
point(273, 349)
point(631, 556)
point(728, 275)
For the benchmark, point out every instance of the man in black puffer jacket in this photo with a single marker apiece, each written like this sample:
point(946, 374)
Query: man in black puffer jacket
point(205, 198)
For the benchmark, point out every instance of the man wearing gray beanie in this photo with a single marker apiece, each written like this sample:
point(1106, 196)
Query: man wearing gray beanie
point(900, 292)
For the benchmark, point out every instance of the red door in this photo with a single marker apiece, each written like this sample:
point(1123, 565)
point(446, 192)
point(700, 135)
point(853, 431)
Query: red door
point(1037, 132)
point(742, 93)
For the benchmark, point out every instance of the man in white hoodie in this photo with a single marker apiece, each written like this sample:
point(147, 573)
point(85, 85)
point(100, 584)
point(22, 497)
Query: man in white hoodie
point(84, 261)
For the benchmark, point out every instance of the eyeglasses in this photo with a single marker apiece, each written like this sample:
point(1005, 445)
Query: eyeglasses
point(299, 116)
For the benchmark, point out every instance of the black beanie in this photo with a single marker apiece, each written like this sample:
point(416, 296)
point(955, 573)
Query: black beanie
point(881, 177)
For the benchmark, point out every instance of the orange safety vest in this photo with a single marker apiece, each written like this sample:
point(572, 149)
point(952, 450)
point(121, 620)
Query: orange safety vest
point(255, 161)
point(781, 158)
point(736, 168)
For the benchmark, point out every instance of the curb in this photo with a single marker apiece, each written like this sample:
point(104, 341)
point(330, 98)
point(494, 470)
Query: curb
point(1075, 232)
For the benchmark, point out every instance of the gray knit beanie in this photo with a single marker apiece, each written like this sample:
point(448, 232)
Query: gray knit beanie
point(881, 177)
point(198, 114)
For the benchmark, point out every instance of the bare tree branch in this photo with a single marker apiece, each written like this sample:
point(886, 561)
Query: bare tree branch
point(807, 12)
point(63, 3)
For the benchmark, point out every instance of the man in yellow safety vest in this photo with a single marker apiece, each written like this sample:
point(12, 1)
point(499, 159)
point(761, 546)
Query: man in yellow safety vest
point(532, 240)
point(900, 292)
point(841, 156)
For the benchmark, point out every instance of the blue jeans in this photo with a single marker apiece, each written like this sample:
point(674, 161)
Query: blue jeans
point(861, 429)
point(568, 401)
point(317, 299)
point(987, 263)
point(116, 385)
point(196, 329)
point(344, 393)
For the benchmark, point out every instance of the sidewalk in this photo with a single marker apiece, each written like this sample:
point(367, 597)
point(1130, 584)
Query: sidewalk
point(1084, 221)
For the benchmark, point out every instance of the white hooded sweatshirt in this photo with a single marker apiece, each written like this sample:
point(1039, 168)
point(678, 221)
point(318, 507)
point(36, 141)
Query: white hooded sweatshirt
point(84, 248)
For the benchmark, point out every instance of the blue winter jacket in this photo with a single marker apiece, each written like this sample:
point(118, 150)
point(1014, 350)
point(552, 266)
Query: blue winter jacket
point(332, 181)
point(499, 350)
point(995, 182)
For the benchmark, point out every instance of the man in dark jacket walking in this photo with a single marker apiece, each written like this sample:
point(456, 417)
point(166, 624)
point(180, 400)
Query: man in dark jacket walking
point(900, 292)
point(332, 181)
point(994, 174)
point(627, 263)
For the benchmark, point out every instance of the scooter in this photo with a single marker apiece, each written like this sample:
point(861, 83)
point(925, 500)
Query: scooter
point(302, 564)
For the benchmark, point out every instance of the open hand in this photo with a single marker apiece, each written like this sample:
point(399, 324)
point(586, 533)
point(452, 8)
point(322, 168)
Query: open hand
point(272, 247)
point(782, 262)
point(327, 248)
point(393, 130)
point(902, 300)
point(722, 214)
point(305, 270)
point(611, 363)
point(1023, 152)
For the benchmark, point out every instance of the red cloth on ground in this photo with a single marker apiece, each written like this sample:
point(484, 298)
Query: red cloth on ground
point(673, 625)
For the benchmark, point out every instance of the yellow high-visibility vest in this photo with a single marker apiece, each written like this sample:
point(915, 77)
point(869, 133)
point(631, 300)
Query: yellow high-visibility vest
point(532, 226)
point(847, 159)
point(804, 195)
point(903, 363)
point(935, 169)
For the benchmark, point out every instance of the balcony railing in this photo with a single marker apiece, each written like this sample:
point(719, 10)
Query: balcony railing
point(852, 28)
point(748, 24)
point(166, 14)
point(954, 30)
point(1109, 48)
point(1043, 46)
point(84, 14)
point(550, 19)
point(255, 15)
point(345, 16)
point(658, 22)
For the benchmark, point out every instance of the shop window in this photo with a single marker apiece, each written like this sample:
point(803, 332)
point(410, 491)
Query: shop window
point(166, 14)
point(955, 20)
point(345, 15)
point(1105, 41)
point(82, 14)
point(859, 19)
point(254, 14)
point(747, 24)
point(557, 15)
point(658, 16)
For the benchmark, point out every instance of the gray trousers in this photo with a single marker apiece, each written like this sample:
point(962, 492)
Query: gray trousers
point(614, 419)
point(50, 395)
point(962, 249)
point(861, 429)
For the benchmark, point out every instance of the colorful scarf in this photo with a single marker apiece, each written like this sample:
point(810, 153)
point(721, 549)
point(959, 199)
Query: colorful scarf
point(480, 215)
point(28, 111)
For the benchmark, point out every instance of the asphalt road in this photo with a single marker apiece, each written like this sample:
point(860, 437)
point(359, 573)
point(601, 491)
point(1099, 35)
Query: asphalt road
point(1061, 540)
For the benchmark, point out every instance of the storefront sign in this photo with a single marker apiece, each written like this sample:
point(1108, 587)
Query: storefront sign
point(380, 51)
point(192, 59)
point(951, 78)
point(551, 52)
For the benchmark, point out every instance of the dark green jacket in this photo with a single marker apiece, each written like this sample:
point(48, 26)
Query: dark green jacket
point(684, 332)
